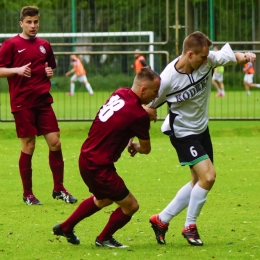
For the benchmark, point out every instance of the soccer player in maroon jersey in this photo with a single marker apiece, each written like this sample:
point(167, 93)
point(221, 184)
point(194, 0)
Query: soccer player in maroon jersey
point(117, 122)
point(28, 62)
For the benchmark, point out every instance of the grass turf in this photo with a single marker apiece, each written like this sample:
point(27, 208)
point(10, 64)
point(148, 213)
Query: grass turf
point(228, 224)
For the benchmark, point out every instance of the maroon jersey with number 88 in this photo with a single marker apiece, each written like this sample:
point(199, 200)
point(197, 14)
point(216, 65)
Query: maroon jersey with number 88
point(121, 118)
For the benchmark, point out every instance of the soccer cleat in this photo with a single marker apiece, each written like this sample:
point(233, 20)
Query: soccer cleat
point(31, 200)
point(64, 195)
point(70, 236)
point(69, 94)
point(219, 94)
point(159, 229)
point(110, 243)
point(192, 235)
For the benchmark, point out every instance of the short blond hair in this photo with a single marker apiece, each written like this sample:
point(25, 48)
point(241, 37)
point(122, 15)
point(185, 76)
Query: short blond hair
point(195, 42)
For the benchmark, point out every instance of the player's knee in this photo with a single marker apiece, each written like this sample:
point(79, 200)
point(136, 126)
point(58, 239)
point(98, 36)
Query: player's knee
point(29, 148)
point(28, 145)
point(55, 145)
point(130, 209)
point(210, 177)
point(134, 207)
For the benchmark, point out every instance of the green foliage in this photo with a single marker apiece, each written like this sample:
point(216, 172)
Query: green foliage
point(231, 22)
point(228, 223)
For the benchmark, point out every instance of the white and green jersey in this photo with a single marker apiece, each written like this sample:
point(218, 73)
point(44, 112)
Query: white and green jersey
point(187, 95)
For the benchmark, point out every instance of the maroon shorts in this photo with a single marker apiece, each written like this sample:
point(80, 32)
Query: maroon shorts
point(103, 181)
point(35, 121)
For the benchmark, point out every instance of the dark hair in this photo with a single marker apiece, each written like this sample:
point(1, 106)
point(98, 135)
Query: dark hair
point(146, 73)
point(29, 11)
point(195, 42)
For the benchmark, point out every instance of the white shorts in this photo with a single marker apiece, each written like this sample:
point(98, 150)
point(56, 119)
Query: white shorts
point(248, 78)
point(82, 78)
point(218, 77)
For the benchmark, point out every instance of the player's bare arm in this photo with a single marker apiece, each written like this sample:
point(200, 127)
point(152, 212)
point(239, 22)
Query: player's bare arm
point(24, 71)
point(69, 72)
point(243, 58)
point(143, 147)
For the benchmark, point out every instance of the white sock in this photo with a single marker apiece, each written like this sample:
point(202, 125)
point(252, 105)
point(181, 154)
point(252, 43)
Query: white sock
point(72, 88)
point(197, 199)
point(179, 203)
point(90, 90)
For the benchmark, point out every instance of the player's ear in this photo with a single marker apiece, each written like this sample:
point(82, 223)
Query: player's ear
point(143, 89)
point(190, 53)
point(20, 23)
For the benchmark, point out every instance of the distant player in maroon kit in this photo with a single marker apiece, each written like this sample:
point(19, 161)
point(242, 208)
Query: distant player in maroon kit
point(117, 122)
point(28, 62)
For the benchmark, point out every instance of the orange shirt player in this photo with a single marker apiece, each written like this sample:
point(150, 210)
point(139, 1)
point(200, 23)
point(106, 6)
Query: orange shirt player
point(79, 74)
point(140, 61)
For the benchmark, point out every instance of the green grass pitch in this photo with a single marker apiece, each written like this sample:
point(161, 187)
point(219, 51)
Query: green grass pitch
point(228, 224)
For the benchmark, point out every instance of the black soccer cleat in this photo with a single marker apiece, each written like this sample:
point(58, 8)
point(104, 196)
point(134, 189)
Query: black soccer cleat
point(112, 243)
point(192, 235)
point(31, 200)
point(70, 236)
point(159, 229)
point(64, 195)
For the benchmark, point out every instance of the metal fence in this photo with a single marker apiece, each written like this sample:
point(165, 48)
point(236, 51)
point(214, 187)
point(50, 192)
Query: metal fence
point(106, 33)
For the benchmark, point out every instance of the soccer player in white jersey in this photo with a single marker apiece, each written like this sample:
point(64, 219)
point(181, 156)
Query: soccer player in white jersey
point(185, 86)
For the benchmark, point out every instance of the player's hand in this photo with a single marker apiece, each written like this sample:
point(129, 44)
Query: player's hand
point(24, 71)
point(131, 147)
point(250, 57)
point(48, 70)
point(151, 112)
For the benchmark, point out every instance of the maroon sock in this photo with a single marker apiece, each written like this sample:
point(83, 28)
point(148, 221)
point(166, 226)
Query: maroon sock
point(57, 168)
point(85, 209)
point(25, 167)
point(116, 221)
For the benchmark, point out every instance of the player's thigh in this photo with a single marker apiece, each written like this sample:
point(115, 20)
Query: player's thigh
point(204, 169)
point(46, 121)
point(25, 123)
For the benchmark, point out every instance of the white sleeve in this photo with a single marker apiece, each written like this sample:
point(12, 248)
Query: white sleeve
point(225, 56)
